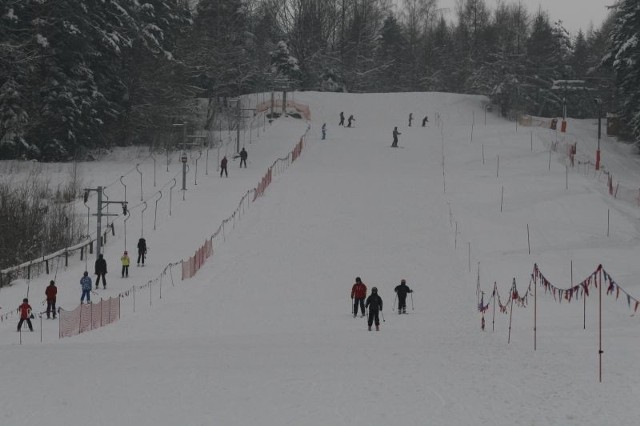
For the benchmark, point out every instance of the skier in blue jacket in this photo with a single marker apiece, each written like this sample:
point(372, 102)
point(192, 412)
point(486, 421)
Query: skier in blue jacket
point(86, 283)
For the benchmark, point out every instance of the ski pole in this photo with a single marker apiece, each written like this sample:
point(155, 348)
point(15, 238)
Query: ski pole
point(393, 307)
point(353, 306)
point(411, 300)
point(381, 313)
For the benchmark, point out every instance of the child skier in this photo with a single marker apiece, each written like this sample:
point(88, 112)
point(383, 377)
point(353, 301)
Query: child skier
point(374, 303)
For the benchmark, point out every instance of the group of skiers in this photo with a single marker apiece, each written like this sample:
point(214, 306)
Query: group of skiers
point(374, 301)
point(100, 269)
point(349, 120)
point(86, 284)
point(425, 120)
point(25, 310)
point(243, 154)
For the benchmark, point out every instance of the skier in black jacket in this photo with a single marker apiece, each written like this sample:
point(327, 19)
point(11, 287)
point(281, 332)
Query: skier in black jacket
point(142, 250)
point(374, 303)
point(402, 290)
point(101, 271)
point(395, 137)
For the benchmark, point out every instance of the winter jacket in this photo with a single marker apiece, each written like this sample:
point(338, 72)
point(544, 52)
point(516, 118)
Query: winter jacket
point(243, 154)
point(51, 292)
point(142, 245)
point(125, 260)
point(402, 290)
point(359, 291)
point(223, 163)
point(85, 282)
point(374, 303)
point(25, 310)
point(395, 135)
point(101, 266)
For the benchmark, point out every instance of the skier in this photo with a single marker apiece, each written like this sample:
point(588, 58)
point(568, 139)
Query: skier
point(223, 166)
point(101, 271)
point(142, 250)
point(349, 120)
point(51, 292)
point(358, 294)
point(341, 123)
point(402, 290)
point(374, 303)
point(425, 120)
point(243, 157)
point(125, 264)
point(25, 314)
point(410, 118)
point(324, 131)
point(85, 283)
point(395, 137)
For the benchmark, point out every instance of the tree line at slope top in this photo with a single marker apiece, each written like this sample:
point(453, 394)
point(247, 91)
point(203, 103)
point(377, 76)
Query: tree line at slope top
point(76, 75)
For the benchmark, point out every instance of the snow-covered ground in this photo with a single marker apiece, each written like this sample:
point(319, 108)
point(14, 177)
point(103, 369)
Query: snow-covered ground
point(264, 335)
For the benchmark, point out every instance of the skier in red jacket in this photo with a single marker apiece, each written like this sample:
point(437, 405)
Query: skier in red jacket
point(25, 314)
point(358, 294)
point(51, 292)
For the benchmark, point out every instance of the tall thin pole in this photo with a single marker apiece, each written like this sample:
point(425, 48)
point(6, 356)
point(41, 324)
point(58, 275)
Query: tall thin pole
point(493, 322)
point(535, 316)
point(513, 287)
point(599, 278)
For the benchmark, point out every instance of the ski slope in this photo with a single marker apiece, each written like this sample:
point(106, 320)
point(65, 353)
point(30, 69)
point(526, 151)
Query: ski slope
point(263, 334)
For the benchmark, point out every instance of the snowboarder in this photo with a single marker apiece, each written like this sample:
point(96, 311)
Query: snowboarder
point(324, 131)
point(374, 303)
point(223, 166)
point(395, 137)
point(425, 120)
point(410, 118)
point(142, 250)
point(358, 294)
point(101, 271)
point(402, 290)
point(125, 264)
point(51, 292)
point(243, 157)
point(85, 283)
point(25, 314)
point(349, 120)
point(341, 123)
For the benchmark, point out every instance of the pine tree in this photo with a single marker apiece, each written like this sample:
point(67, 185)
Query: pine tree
point(625, 59)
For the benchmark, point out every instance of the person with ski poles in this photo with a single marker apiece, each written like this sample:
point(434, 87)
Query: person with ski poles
point(341, 123)
point(374, 303)
point(243, 157)
point(126, 261)
point(25, 314)
point(85, 283)
point(402, 290)
point(358, 294)
point(350, 119)
point(223, 166)
point(51, 292)
point(410, 118)
point(394, 144)
point(142, 250)
point(425, 120)
point(324, 131)
point(101, 271)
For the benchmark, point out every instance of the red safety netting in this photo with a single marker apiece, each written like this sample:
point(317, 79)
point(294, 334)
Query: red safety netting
point(191, 266)
point(89, 316)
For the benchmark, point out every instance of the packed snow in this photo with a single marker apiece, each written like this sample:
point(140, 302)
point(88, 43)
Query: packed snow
point(264, 333)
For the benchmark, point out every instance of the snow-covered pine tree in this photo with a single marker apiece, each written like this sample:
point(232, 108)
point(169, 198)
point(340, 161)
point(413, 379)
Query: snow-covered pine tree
point(625, 59)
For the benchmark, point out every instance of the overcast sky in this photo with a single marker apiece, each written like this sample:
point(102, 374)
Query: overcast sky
point(574, 13)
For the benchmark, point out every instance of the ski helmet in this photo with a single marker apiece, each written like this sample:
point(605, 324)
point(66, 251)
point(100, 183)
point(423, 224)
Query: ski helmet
point(358, 279)
point(402, 281)
point(374, 290)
